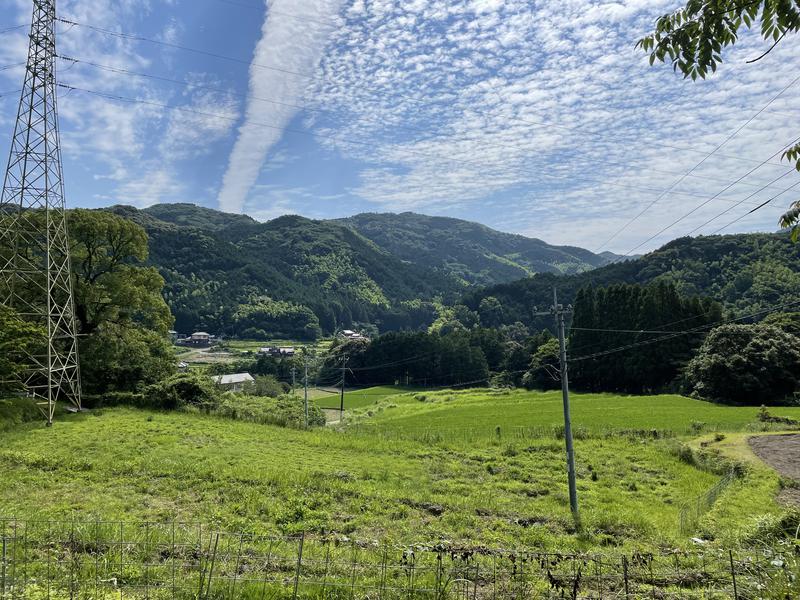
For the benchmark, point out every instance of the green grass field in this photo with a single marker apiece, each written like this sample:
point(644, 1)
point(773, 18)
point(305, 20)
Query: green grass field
point(455, 411)
point(358, 398)
point(130, 464)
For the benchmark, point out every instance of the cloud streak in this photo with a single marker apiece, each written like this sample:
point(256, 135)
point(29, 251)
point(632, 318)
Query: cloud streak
point(293, 38)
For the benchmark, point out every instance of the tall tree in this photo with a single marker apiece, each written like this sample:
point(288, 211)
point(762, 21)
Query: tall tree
point(122, 316)
point(693, 39)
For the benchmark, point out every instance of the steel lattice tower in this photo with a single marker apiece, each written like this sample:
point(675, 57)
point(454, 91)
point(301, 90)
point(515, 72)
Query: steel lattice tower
point(35, 272)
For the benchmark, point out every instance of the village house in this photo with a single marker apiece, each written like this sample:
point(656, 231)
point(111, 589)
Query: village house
point(235, 382)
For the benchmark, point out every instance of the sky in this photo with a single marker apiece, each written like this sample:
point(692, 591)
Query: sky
point(530, 116)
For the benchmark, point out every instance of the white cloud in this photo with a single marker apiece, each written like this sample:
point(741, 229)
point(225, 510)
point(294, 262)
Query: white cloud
point(292, 40)
point(547, 109)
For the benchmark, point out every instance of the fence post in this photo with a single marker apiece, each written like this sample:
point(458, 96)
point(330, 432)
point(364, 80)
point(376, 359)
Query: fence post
point(625, 575)
point(733, 576)
point(213, 562)
point(299, 565)
point(3, 567)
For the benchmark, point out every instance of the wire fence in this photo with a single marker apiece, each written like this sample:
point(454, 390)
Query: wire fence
point(99, 560)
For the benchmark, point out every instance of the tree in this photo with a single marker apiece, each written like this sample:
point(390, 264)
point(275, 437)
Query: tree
point(693, 38)
point(123, 319)
point(746, 364)
point(788, 322)
point(633, 323)
point(491, 312)
point(544, 365)
point(17, 338)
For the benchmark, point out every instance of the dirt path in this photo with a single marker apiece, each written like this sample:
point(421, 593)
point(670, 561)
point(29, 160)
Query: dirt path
point(782, 453)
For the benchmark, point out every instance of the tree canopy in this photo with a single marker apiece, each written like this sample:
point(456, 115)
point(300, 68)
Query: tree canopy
point(746, 364)
point(123, 319)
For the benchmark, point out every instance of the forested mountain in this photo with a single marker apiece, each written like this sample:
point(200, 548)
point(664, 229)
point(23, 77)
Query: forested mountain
point(297, 277)
point(746, 273)
point(472, 253)
point(290, 277)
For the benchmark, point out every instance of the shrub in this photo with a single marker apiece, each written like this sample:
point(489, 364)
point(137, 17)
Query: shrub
point(284, 411)
point(182, 389)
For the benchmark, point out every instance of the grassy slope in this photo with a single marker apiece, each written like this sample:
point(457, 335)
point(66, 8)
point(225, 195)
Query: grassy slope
point(130, 464)
point(485, 409)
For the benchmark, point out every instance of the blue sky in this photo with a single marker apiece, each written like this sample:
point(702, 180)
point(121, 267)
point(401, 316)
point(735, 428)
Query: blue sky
point(531, 116)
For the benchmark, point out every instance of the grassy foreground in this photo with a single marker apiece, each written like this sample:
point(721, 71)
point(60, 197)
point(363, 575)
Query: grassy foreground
point(128, 464)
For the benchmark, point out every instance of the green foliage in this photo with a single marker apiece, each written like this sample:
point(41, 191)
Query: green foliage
point(16, 411)
point(693, 37)
point(111, 285)
point(746, 364)
point(122, 317)
point(183, 389)
point(17, 338)
point(118, 358)
point(543, 368)
point(283, 411)
point(420, 358)
point(267, 386)
point(640, 314)
point(787, 321)
point(213, 263)
point(468, 253)
point(266, 318)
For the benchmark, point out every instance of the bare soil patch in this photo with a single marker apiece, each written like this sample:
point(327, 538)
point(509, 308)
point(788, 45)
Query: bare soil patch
point(782, 453)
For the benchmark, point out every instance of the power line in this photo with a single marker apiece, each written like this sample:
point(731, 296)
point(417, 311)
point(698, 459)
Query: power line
point(712, 198)
point(730, 208)
point(759, 207)
point(678, 334)
point(190, 84)
point(699, 164)
point(135, 37)
point(10, 29)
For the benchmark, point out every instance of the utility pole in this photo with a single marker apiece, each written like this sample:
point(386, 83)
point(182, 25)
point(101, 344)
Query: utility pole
point(293, 378)
point(341, 402)
point(35, 269)
point(305, 386)
point(559, 311)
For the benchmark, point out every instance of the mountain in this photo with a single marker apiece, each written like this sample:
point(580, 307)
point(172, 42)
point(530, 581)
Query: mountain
point(289, 277)
point(746, 273)
point(297, 277)
point(471, 253)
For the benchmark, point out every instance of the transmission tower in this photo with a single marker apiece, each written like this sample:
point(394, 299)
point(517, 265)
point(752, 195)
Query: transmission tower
point(35, 273)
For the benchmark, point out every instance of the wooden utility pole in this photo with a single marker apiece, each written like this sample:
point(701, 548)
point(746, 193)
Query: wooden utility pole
point(294, 370)
point(559, 311)
point(305, 386)
point(344, 372)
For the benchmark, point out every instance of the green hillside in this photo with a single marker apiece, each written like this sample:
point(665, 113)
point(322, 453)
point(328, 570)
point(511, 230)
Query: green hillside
point(470, 252)
point(299, 275)
point(747, 273)
point(296, 277)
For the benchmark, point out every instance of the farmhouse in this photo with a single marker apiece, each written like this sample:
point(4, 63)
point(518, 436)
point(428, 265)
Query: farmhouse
point(351, 335)
point(234, 382)
point(200, 338)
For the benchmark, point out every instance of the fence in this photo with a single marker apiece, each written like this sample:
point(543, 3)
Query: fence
point(694, 510)
point(99, 560)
